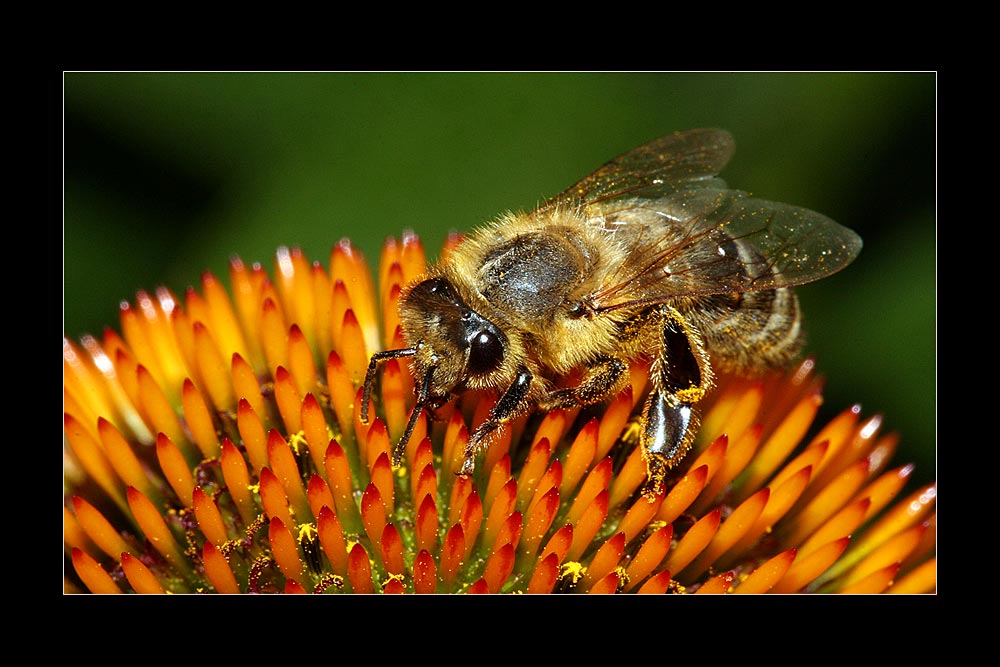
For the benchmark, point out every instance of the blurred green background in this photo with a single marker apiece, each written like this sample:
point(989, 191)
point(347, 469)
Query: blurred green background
point(169, 174)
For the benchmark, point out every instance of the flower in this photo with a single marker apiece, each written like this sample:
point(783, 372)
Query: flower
point(216, 445)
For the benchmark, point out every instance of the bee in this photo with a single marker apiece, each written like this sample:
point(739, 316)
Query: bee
point(651, 256)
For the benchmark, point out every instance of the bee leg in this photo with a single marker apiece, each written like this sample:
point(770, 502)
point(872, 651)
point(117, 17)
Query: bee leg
point(681, 377)
point(423, 400)
point(602, 379)
point(512, 403)
point(373, 363)
point(668, 430)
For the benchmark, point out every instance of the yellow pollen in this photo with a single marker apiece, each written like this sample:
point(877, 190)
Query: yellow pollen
point(572, 570)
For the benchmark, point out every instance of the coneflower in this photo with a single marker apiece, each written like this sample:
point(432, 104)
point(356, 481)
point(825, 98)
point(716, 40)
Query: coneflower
point(215, 445)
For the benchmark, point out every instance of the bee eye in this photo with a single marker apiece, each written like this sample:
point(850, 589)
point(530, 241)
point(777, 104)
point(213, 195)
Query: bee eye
point(485, 353)
point(440, 286)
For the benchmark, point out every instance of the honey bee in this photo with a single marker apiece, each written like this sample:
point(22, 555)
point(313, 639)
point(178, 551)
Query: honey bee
point(650, 256)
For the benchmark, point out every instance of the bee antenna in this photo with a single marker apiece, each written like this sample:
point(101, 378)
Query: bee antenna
point(418, 407)
point(376, 359)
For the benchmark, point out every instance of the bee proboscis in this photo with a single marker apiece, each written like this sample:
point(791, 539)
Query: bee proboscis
point(652, 255)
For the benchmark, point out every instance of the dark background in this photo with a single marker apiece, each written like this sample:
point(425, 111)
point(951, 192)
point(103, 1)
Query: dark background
point(168, 174)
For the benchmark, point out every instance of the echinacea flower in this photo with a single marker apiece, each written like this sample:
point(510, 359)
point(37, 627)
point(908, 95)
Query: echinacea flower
point(215, 445)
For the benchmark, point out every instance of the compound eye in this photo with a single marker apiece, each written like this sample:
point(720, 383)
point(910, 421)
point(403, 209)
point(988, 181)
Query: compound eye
point(485, 352)
point(441, 287)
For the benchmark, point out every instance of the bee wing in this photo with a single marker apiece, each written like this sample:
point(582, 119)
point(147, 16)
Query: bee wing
point(674, 162)
point(721, 241)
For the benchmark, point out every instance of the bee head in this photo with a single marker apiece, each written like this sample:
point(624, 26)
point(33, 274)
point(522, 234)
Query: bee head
point(449, 337)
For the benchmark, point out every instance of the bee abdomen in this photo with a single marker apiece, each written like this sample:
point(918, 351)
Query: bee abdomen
point(755, 329)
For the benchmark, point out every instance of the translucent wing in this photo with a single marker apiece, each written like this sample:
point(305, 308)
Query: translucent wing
point(689, 235)
point(718, 241)
point(784, 245)
point(674, 162)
